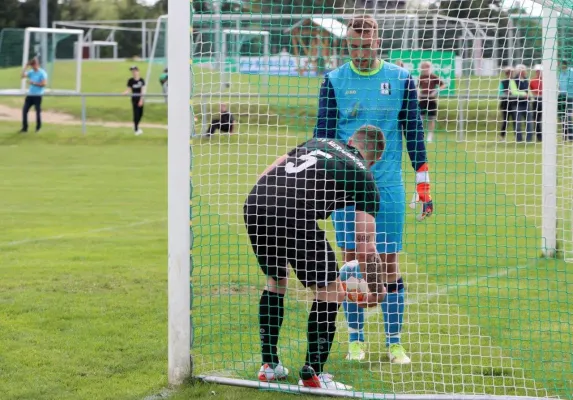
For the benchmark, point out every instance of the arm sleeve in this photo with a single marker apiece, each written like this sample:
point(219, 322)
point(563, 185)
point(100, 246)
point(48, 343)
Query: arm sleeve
point(327, 117)
point(129, 83)
point(411, 121)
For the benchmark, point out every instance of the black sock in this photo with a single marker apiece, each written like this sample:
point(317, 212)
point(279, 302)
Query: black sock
point(271, 312)
point(321, 330)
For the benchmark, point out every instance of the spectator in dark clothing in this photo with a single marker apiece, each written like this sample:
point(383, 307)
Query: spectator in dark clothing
point(504, 101)
point(136, 86)
point(225, 122)
point(429, 85)
point(518, 102)
point(536, 91)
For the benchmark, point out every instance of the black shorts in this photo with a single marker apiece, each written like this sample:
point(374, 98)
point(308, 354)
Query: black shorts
point(429, 108)
point(278, 241)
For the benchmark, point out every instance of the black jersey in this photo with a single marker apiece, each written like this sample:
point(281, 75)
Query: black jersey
point(318, 177)
point(136, 86)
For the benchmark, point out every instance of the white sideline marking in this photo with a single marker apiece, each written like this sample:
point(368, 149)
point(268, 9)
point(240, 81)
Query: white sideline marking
point(80, 234)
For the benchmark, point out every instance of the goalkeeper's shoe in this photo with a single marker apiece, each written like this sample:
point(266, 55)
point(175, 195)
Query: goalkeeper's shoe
point(269, 374)
point(309, 378)
point(398, 355)
point(356, 351)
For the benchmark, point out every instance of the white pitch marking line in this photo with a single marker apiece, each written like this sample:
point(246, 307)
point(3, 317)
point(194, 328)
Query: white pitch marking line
point(474, 282)
point(80, 234)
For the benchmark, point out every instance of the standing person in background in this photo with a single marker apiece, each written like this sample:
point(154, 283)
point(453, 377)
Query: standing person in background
point(504, 102)
point(536, 91)
point(429, 84)
point(225, 122)
point(136, 86)
point(566, 99)
point(518, 102)
point(37, 80)
point(163, 81)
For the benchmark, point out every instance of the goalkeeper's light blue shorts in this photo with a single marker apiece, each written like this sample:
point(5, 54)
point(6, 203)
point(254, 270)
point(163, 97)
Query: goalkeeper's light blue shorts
point(389, 222)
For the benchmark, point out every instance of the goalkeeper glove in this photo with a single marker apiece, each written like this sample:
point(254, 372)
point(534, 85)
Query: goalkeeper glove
point(423, 192)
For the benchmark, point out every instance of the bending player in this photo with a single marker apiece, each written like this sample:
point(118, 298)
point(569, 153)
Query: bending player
point(281, 214)
point(367, 90)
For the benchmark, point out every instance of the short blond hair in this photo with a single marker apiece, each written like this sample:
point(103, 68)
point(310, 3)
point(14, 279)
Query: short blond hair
point(364, 24)
point(371, 139)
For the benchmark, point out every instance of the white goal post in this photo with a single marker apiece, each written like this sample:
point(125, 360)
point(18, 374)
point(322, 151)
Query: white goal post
point(77, 53)
point(178, 193)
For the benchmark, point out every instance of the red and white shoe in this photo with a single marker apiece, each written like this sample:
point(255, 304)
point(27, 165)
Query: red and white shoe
point(309, 378)
point(270, 374)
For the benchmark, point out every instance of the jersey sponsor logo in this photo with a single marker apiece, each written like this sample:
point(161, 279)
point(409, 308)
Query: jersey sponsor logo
point(385, 88)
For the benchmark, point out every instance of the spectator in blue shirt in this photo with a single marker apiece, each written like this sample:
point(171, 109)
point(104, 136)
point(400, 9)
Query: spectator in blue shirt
point(37, 80)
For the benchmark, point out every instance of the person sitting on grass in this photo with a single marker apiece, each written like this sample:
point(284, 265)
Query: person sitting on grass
point(225, 122)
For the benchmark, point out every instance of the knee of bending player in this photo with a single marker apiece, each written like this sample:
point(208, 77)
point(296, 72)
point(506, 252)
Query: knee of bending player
point(277, 286)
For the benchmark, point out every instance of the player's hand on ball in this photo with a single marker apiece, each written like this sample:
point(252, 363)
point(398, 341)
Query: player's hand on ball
point(356, 287)
point(372, 300)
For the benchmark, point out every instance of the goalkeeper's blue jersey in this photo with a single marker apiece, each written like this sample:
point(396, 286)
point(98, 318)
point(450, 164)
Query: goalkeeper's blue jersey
point(386, 98)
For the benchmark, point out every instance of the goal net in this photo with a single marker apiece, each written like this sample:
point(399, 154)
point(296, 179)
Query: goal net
point(485, 305)
point(61, 59)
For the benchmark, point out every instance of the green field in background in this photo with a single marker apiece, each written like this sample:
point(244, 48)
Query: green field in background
point(284, 100)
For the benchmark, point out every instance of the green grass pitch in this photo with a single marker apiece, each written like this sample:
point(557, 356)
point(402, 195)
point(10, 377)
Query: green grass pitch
point(83, 265)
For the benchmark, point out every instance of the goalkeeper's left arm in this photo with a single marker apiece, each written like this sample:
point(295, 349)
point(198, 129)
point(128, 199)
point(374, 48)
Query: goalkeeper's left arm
point(411, 121)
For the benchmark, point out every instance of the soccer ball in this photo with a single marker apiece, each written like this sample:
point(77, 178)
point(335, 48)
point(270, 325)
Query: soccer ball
point(356, 289)
point(352, 282)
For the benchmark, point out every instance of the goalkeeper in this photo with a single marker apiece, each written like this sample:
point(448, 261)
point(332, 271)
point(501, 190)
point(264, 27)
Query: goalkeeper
point(367, 90)
point(281, 214)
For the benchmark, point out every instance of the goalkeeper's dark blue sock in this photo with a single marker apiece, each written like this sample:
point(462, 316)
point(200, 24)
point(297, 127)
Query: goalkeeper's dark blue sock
point(355, 319)
point(393, 311)
point(271, 312)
